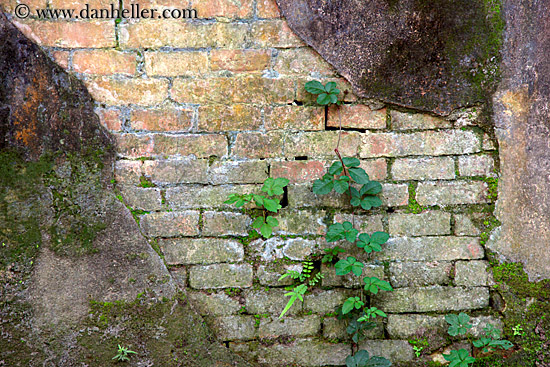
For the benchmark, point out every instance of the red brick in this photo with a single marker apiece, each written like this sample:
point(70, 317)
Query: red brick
point(274, 33)
point(176, 63)
point(298, 171)
point(295, 118)
point(9, 5)
point(377, 169)
point(258, 145)
point(111, 119)
point(93, 34)
point(356, 117)
point(236, 117)
point(116, 91)
point(104, 62)
point(201, 146)
point(61, 58)
point(79, 4)
point(133, 146)
point(321, 144)
point(240, 60)
point(167, 119)
point(267, 9)
point(223, 8)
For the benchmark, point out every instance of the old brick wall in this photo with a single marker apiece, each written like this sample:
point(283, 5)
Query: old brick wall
point(208, 107)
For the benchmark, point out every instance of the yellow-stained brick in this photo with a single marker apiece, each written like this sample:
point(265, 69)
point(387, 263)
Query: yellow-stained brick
point(10, 5)
point(302, 61)
point(123, 91)
point(176, 63)
point(240, 60)
point(182, 34)
point(230, 118)
point(295, 118)
point(160, 5)
point(104, 62)
point(79, 4)
point(223, 8)
point(242, 89)
point(93, 34)
point(166, 119)
point(268, 9)
point(274, 33)
point(357, 117)
point(111, 119)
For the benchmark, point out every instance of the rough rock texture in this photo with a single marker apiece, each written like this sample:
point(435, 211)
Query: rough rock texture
point(78, 277)
point(431, 55)
point(522, 109)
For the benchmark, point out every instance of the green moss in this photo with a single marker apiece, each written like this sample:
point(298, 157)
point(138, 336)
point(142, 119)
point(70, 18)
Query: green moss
point(145, 182)
point(413, 206)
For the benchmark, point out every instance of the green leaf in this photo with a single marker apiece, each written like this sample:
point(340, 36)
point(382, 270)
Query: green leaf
point(373, 284)
point(295, 294)
point(323, 99)
point(371, 188)
point(335, 168)
point(266, 230)
point(351, 162)
point(333, 98)
point(258, 222)
point(274, 186)
point(345, 266)
point(232, 199)
point(459, 325)
point(272, 221)
point(336, 232)
point(315, 87)
point(379, 238)
point(355, 201)
point(359, 175)
point(341, 185)
point(369, 202)
point(362, 359)
point(323, 186)
point(330, 87)
point(259, 200)
point(272, 205)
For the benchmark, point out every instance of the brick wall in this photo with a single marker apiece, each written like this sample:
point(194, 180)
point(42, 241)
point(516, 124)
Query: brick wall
point(214, 106)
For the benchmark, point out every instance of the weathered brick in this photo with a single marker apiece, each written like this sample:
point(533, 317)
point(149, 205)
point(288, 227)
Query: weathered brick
point(165, 119)
point(277, 248)
point(186, 251)
point(424, 224)
point(134, 146)
point(92, 34)
point(293, 222)
point(410, 121)
point(104, 62)
point(116, 91)
point(476, 165)
point(394, 350)
point(394, 194)
point(323, 302)
point(221, 276)
point(235, 117)
point(225, 223)
point(451, 193)
point(431, 249)
point(304, 352)
point(488, 143)
point(350, 280)
point(111, 119)
point(200, 146)
point(363, 223)
point(269, 274)
point(298, 171)
point(238, 327)
point(442, 142)
point(258, 145)
point(431, 299)
point(170, 224)
point(303, 61)
point(128, 172)
point(294, 118)
point(419, 274)
point(271, 301)
point(176, 171)
point(223, 8)
point(9, 5)
point(267, 9)
point(436, 168)
point(356, 117)
point(213, 304)
point(240, 60)
point(176, 63)
point(207, 197)
point(321, 144)
point(293, 326)
point(243, 172)
point(76, 4)
point(472, 273)
point(464, 226)
point(147, 199)
point(61, 58)
point(180, 276)
point(237, 89)
point(274, 33)
point(336, 329)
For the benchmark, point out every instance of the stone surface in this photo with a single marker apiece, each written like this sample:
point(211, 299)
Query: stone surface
point(430, 56)
point(220, 276)
point(419, 274)
point(186, 251)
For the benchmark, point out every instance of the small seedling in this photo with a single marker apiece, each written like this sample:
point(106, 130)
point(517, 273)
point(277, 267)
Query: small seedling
point(518, 330)
point(459, 325)
point(122, 354)
point(459, 358)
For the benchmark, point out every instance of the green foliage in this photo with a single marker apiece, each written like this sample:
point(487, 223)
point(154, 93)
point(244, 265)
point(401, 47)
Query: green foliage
point(362, 359)
point(331, 253)
point(145, 182)
point(122, 354)
point(459, 358)
point(340, 231)
point(371, 313)
point(297, 293)
point(352, 303)
point(357, 329)
point(327, 94)
point(265, 225)
point(372, 243)
point(491, 340)
point(458, 325)
point(373, 284)
point(350, 264)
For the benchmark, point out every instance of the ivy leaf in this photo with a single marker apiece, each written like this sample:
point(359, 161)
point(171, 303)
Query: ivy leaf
point(323, 186)
point(323, 99)
point(371, 188)
point(348, 265)
point(373, 284)
point(351, 162)
point(314, 87)
point(335, 168)
point(369, 202)
point(341, 184)
point(272, 205)
point(359, 175)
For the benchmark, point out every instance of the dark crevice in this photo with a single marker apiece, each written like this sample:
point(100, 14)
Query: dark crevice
point(284, 200)
point(336, 128)
point(301, 158)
